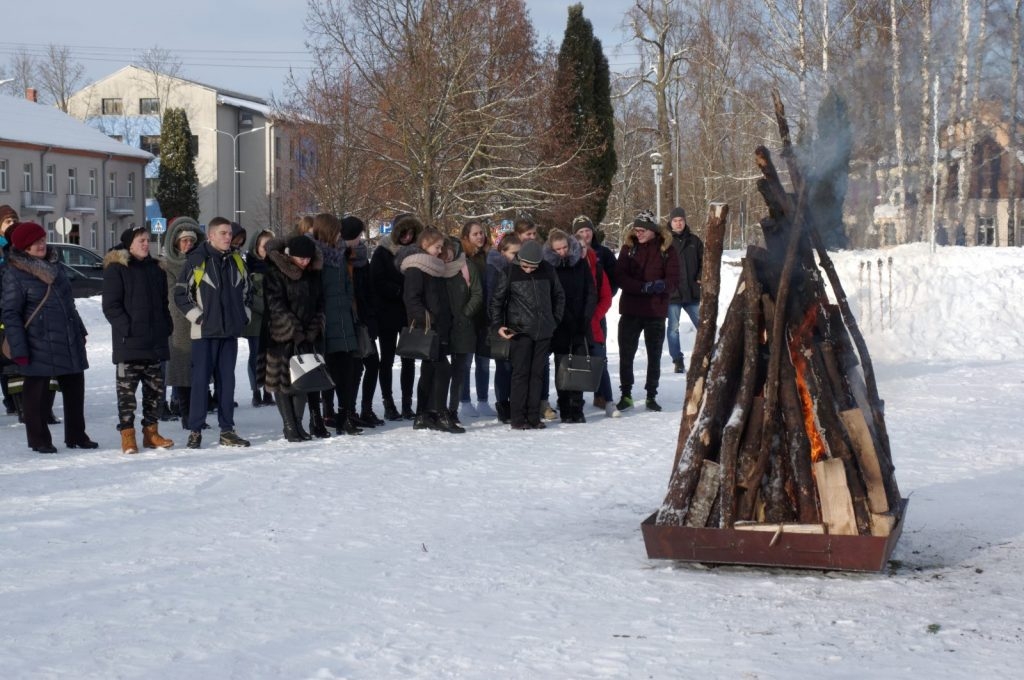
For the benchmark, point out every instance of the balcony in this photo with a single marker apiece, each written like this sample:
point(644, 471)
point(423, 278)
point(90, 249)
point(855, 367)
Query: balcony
point(81, 203)
point(120, 205)
point(39, 201)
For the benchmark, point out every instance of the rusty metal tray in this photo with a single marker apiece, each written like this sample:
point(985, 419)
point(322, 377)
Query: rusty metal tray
point(771, 549)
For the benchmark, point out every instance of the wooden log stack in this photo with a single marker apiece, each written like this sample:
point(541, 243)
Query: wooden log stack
point(782, 424)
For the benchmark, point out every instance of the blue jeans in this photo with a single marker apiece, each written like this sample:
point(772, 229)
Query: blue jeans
point(213, 357)
point(482, 374)
point(672, 332)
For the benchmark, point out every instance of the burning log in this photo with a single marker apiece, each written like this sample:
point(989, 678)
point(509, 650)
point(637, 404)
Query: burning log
point(782, 428)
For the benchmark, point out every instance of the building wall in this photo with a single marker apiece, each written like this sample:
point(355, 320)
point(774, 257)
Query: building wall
point(98, 217)
point(215, 159)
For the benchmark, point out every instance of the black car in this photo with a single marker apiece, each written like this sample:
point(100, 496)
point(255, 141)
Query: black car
point(83, 267)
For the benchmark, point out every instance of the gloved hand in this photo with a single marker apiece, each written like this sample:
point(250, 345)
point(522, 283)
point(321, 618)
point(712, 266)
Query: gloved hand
point(21, 361)
point(653, 287)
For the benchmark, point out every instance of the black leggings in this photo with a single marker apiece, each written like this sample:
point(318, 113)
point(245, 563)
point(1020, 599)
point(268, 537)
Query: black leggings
point(388, 343)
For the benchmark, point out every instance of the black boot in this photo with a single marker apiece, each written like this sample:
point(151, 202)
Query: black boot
point(369, 417)
point(345, 424)
point(257, 399)
point(317, 428)
point(390, 412)
point(424, 421)
point(445, 423)
point(504, 409)
point(407, 411)
point(284, 407)
point(268, 398)
point(299, 406)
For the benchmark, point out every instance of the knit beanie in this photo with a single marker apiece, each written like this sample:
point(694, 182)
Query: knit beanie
point(301, 246)
point(128, 235)
point(531, 253)
point(351, 227)
point(25, 234)
point(676, 212)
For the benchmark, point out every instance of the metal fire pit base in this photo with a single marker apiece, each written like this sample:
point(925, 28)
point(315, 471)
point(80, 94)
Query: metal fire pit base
point(771, 549)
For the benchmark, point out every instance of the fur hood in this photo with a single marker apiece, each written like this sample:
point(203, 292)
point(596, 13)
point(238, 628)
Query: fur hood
point(552, 258)
point(401, 224)
point(44, 268)
point(277, 257)
point(664, 232)
point(121, 256)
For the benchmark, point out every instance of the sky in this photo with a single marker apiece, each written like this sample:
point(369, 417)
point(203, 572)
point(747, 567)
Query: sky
point(403, 554)
point(242, 46)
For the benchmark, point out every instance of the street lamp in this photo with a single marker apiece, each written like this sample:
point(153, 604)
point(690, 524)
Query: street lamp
point(656, 166)
point(234, 155)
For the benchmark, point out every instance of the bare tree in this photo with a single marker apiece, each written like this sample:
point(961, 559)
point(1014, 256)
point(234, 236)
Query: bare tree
point(1013, 148)
point(23, 71)
point(163, 69)
point(897, 105)
point(60, 75)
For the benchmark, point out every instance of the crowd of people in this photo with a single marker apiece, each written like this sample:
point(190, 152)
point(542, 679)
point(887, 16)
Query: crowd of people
point(176, 320)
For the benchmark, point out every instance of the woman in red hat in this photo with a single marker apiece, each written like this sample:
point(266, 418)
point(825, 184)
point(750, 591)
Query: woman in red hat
point(46, 337)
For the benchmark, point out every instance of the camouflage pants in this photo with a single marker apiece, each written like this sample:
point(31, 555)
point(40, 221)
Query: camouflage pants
point(129, 374)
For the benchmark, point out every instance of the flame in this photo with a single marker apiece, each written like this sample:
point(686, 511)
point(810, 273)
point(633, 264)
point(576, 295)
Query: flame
point(796, 354)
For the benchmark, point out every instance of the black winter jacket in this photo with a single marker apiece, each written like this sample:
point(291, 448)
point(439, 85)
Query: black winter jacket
point(217, 306)
point(691, 259)
point(426, 291)
point(580, 297)
point(528, 303)
point(135, 304)
point(55, 340)
point(295, 307)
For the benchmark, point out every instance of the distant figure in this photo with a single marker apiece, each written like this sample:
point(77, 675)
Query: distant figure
point(647, 271)
point(182, 237)
point(685, 297)
point(135, 304)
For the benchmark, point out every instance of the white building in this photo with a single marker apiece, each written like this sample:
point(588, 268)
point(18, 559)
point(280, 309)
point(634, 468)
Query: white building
point(80, 184)
point(242, 153)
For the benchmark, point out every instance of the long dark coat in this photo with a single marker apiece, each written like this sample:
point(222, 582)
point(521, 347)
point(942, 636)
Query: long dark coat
point(580, 297)
point(339, 295)
point(55, 340)
point(294, 304)
point(426, 292)
point(179, 366)
point(467, 304)
point(388, 281)
point(135, 304)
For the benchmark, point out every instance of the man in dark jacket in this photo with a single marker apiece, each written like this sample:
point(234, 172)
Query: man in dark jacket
point(135, 304)
point(527, 306)
point(647, 270)
point(212, 292)
point(685, 297)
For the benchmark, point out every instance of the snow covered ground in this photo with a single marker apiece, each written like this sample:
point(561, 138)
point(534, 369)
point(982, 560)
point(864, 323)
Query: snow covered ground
point(494, 554)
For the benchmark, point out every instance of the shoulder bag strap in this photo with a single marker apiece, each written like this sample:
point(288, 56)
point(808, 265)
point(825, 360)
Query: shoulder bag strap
point(40, 306)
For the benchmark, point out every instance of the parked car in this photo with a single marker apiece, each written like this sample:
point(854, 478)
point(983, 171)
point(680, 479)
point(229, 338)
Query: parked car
point(83, 267)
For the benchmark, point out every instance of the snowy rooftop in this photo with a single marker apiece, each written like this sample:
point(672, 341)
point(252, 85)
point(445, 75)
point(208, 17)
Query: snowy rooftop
point(27, 122)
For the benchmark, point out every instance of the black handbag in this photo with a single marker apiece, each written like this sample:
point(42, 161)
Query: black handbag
point(418, 343)
point(579, 372)
point(309, 373)
point(366, 346)
point(498, 348)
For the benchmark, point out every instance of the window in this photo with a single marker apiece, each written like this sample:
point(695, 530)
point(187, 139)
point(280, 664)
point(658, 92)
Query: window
point(986, 231)
point(277, 148)
point(112, 107)
point(50, 179)
point(92, 182)
point(150, 143)
point(149, 106)
point(26, 178)
point(195, 145)
point(3, 175)
point(277, 179)
point(72, 181)
point(112, 184)
point(94, 235)
point(291, 149)
point(151, 184)
point(131, 185)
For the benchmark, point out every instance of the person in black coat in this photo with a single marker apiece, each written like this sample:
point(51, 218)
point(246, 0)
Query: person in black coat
point(46, 337)
point(427, 302)
point(526, 308)
point(294, 298)
point(135, 304)
point(368, 367)
point(685, 297)
point(566, 255)
point(388, 282)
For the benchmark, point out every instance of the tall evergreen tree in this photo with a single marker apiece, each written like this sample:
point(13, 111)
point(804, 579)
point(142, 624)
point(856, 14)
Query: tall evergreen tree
point(177, 190)
point(583, 115)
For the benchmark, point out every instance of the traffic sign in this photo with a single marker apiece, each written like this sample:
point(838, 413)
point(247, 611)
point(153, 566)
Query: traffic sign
point(62, 226)
point(158, 225)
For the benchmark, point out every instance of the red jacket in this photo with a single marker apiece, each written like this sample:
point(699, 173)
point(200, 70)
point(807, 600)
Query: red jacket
point(604, 297)
point(641, 263)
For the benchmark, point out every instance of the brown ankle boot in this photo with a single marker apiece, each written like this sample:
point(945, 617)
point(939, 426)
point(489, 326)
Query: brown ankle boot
point(151, 439)
point(128, 444)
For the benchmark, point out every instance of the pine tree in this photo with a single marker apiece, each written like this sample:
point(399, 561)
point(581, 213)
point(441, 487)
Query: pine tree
point(177, 190)
point(583, 111)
